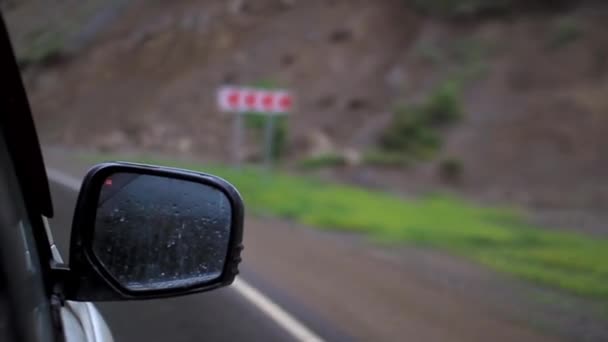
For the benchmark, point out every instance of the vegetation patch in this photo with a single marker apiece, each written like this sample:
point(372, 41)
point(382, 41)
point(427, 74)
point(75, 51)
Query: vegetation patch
point(458, 8)
point(464, 58)
point(323, 161)
point(479, 8)
point(42, 32)
point(565, 32)
point(451, 170)
point(258, 123)
point(497, 237)
point(44, 48)
point(414, 130)
point(385, 159)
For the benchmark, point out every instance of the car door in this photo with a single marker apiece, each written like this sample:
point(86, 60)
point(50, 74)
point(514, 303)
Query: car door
point(26, 300)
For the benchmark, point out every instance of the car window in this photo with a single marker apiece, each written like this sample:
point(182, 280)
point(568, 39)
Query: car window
point(435, 167)
point(24, 294)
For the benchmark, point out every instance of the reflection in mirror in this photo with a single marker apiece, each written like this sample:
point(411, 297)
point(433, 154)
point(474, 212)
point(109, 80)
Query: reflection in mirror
point(155, 232)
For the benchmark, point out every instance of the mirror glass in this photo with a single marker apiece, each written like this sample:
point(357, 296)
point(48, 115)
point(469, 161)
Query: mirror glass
point(156, 232)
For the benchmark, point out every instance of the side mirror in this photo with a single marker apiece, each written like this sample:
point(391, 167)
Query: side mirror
point(143, 231)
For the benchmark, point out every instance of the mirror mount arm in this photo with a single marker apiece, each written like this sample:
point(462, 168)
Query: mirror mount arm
point(60, 275)
point(65, 283)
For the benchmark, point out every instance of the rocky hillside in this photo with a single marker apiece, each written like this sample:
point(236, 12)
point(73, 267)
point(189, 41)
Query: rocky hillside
point(531, 91)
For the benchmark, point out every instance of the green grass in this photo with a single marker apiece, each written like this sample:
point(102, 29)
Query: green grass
point(496, 237)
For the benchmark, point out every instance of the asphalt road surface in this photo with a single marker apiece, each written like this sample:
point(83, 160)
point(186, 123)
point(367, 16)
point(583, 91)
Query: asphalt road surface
point(222, 315)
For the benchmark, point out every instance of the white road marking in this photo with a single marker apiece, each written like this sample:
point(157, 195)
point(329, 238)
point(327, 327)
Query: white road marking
point(298, 330)
point(277, 314)
point(66, 180)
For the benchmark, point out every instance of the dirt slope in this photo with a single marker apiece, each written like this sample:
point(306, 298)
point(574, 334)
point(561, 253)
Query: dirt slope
point(151, 80)
point(535, 118)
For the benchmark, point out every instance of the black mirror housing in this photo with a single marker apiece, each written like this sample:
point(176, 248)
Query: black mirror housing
point(142, 232)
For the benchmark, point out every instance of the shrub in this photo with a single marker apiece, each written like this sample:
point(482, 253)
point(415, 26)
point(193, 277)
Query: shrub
point(409, 132)
point(471, 8)
point(323, 161)
point(386, 159)
point(451, 169)
point(430, 53)
point(280, 137)
point(444, 106)
point(257, 123)
point(456, 8)
point(565, 32)
point(414, 130)
point(466, 57)
point(42, 48)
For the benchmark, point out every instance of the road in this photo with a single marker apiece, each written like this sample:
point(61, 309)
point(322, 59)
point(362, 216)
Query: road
point(330, 286)
point(223, 315)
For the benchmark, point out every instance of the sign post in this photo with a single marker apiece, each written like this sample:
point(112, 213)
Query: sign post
point(269, 140)
point(241, 100)
point(237, 138)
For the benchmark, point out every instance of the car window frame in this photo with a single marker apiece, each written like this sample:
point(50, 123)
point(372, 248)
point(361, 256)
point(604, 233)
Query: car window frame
point(19, 135)
point(22, 141)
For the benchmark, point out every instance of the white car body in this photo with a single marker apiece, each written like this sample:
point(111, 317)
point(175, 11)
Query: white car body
point(82, 322)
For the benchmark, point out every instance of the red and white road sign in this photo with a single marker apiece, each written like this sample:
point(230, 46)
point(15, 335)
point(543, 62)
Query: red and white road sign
point(241, 99)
